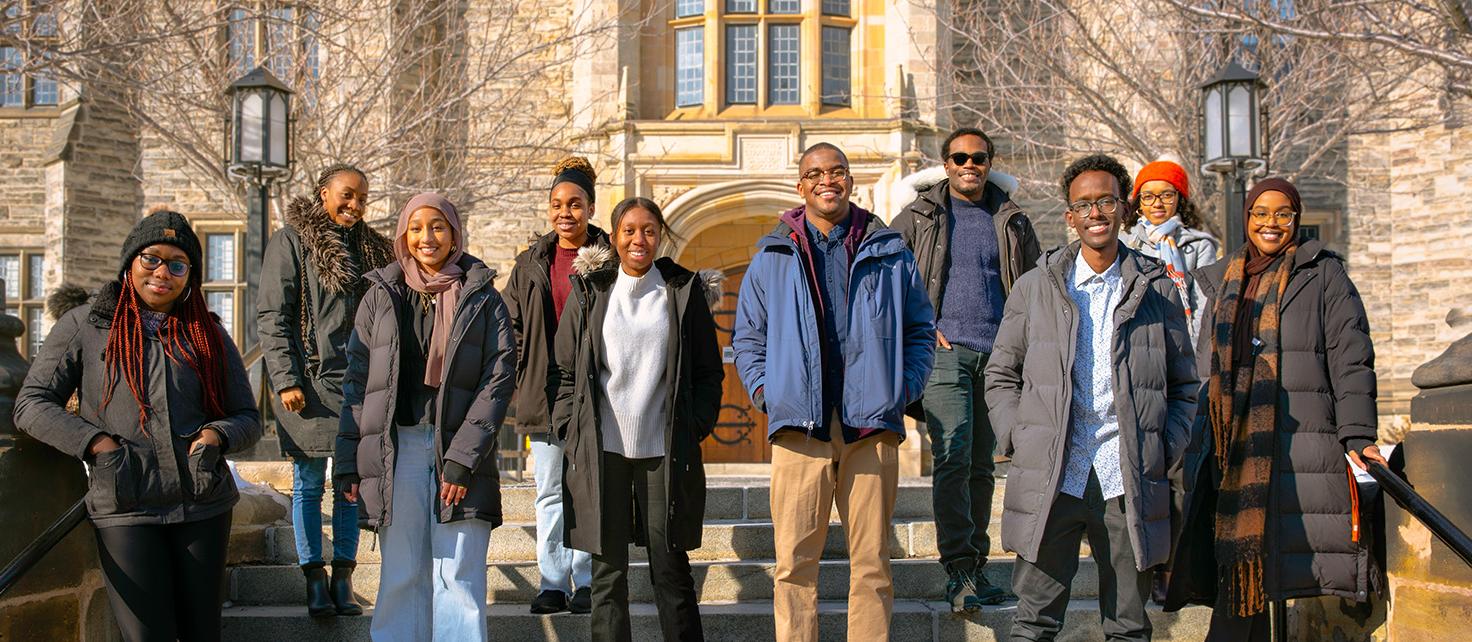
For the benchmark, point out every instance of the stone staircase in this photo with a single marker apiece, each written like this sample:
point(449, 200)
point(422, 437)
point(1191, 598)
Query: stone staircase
point(733, 576)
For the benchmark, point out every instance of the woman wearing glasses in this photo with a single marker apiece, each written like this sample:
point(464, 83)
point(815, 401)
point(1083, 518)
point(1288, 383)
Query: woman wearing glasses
point(1164, 225)
point(1291, 391)
point(163, 397)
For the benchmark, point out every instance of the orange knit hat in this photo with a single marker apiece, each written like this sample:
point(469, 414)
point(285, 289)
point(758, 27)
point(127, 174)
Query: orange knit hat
point(1163, 171)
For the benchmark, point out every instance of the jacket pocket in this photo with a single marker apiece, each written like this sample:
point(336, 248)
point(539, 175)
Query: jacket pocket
point(112, 487)
point(204, 472)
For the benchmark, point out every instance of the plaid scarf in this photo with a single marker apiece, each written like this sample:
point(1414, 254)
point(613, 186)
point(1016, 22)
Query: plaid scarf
point(1244, 408)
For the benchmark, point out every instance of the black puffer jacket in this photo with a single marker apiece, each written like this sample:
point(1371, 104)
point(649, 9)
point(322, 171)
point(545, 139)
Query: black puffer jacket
point(529, 301)
point(480, 370)
point(925, 225)
point(152, 479)
point(1326, 405)
point(695, 400)
point(312, 268)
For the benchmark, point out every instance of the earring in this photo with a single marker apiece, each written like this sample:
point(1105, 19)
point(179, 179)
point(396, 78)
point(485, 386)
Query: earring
point(187, 294)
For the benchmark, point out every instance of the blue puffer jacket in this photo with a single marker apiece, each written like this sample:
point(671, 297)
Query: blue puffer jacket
point(891, 342)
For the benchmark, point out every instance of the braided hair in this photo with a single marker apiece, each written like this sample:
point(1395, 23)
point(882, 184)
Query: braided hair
point(190, 336)
point(328, 174)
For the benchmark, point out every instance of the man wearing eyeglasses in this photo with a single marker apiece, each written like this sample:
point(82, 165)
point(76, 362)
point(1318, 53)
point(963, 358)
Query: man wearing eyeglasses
point(1091, 387)
point(834, 337)
point(971, 243)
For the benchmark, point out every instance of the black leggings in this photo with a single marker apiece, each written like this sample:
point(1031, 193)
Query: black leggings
point(166, 582)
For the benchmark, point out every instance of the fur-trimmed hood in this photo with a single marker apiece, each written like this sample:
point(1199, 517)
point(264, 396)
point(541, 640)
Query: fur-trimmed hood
point(928, 177)
point(597, 263)
point(331, 251)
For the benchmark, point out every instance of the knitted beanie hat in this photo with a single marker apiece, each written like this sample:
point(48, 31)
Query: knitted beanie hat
point(1163, 171)
point(163, 226)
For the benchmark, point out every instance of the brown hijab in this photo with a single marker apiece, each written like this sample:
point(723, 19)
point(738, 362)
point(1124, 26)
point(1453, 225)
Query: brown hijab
point(1257, 262)
point(445, 286)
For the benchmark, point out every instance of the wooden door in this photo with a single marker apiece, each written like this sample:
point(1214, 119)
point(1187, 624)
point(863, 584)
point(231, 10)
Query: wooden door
point(740, 435)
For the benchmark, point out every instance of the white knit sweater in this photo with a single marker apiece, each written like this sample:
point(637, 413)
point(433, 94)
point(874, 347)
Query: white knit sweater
point(632, 375)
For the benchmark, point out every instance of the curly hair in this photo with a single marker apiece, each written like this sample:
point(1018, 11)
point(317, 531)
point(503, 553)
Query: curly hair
point(1185, 209)
point(1097, 163)
point(575, 163)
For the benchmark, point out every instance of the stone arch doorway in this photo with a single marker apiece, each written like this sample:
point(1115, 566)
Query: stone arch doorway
point(717, 228)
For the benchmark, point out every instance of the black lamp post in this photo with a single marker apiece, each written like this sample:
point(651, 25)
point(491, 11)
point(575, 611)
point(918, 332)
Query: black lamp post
point(257, 152)
point(1231, 140)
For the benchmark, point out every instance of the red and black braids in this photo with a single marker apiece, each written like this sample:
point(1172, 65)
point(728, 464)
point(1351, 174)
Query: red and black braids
point(190, 332)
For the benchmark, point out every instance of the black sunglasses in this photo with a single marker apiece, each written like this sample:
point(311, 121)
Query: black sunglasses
point(151, 262)
point(980, 158)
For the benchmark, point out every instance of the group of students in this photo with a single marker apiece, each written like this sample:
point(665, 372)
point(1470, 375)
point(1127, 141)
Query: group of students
point(1183, 413)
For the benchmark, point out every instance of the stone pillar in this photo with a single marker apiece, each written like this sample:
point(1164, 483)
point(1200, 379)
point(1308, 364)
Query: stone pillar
point(1430, 587)
point(62, 597)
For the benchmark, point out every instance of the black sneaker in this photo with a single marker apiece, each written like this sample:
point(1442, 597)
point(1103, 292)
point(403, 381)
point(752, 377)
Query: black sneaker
point(960, 591)
point(582, 601)
point(549, 602)
point(986, 593)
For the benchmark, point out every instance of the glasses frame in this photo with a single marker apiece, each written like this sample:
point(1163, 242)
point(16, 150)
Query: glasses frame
point(1147, 198)
point(144, 258)
point(838, 174)
point(1262, 218)
point(1082, 208)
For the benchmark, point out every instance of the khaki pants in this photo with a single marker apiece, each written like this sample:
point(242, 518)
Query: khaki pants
point(808, 475)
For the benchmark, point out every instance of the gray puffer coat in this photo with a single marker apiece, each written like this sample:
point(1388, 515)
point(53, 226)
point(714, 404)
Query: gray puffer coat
point(1029, 386)
point(153, 478)
point(1326, 406)
point(311, 283)
point(480, 371)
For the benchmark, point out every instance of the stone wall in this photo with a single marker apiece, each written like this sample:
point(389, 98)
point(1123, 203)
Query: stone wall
point(1409, 234)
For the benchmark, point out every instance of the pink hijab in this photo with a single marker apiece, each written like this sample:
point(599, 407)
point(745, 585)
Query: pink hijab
point(445, 286)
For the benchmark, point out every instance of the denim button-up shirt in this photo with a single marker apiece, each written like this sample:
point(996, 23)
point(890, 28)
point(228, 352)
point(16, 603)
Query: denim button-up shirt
point(831, 263)
point(1093, 433)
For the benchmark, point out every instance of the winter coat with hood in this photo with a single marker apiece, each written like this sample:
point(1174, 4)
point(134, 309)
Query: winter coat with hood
point(479, 374)
point(925, 224)
point(1029, 388)
point(891, 334)
point(696, 374)
point(1326, 406)
point(311, 283)
point(528, 296)
point(153, 478)
point(1198, 248)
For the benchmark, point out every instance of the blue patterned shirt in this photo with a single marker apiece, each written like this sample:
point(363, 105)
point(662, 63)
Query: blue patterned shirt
point(1093, 426)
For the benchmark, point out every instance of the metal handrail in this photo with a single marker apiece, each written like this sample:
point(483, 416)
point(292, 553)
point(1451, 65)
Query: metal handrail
point(1410, 500)
point(43, 544)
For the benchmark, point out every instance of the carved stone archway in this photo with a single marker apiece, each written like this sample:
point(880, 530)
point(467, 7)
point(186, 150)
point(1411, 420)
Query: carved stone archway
point(708, 206)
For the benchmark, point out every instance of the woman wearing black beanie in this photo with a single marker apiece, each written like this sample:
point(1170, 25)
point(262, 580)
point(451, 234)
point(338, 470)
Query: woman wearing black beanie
point(163, 397)
point(535, 297)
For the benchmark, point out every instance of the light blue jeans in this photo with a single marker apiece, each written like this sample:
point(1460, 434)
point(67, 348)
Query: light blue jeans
point(309, 481)
point(563, 569)
point(432, 584)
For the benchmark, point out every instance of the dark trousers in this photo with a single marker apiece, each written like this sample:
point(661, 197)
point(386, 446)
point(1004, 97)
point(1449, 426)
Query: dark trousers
point(626, 481)
point(1042, 585)
point(166, 582)
point(961, 443)
point(1227, 627)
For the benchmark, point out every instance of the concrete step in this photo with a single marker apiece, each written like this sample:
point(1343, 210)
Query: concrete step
point(913, 621)
point(519, 582)
point(725, 498)
point(721, 540)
